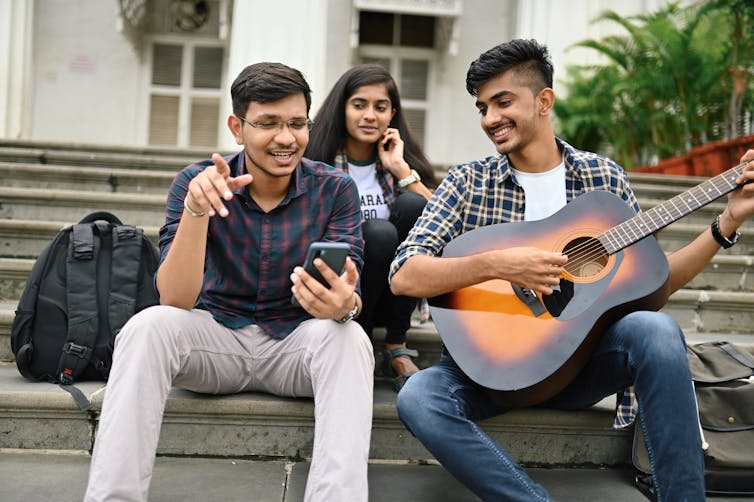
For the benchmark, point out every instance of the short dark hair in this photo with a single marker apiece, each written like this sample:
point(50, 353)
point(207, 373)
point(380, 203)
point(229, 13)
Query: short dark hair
point(265, 83)
point(528, 58)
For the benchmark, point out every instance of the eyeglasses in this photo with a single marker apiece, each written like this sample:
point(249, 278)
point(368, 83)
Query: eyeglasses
point(296, 124)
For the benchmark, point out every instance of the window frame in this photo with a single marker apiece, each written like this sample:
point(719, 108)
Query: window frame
point(185, 91)
point(395, 54)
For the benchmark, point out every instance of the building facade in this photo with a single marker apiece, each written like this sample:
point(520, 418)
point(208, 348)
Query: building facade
point(156, 72)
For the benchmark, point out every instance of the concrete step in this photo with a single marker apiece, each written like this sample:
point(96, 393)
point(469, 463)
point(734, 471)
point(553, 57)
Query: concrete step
point(72, 205)
point(106, 155)
point(709, 313)
point(423, 337)
point(683, 182)
point(657, 191)
point(703, 215)
point(27, 238)
point(680, 233)
point(43, 416)
point(723, 273)
point(41, 476)
point(90, 179)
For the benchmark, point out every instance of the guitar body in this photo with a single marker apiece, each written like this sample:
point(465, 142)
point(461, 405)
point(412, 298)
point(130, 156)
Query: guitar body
point(526, 347)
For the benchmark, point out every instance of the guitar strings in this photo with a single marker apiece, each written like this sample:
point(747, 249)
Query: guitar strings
point(592, 250)
point(588, 251)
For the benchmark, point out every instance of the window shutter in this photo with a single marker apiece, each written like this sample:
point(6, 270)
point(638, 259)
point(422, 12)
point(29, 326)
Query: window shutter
point(414, 78)
point(416, 119)
point(163, 120)
point(205, 114)
point(166, 64)
point(208, 67)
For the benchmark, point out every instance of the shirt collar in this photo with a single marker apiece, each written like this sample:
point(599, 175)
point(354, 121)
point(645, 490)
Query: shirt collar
point(297, 188)
point(504, 170)
point(341, 162)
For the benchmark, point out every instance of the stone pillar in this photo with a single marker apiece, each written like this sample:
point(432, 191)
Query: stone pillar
point(281, 40)
point(16, 24)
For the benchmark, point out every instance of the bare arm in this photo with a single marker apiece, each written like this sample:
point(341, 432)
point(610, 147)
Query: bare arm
point(181, 274)
point(392, 160)
point(423, 276)
point(688, 261)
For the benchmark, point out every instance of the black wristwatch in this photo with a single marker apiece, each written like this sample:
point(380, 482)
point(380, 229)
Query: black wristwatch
point(725, 242)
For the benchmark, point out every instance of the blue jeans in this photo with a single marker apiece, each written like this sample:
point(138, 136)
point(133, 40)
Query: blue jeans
point(441, 405)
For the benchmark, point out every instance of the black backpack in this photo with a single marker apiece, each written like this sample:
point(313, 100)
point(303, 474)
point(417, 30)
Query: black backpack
point(82, 289)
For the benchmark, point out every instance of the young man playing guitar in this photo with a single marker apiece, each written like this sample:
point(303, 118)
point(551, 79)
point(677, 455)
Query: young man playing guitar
point(534, 176)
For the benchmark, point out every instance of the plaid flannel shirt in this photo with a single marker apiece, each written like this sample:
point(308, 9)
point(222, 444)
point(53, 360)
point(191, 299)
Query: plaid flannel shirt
point(485, 192)
point(251, 253)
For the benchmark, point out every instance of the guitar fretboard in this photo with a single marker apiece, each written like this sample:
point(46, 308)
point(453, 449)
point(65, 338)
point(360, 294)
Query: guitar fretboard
point(662, 215)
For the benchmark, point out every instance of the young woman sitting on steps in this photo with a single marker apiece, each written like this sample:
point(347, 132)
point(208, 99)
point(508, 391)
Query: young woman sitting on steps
point(361, 130)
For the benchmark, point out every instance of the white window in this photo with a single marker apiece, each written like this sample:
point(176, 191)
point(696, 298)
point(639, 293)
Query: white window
point(405, 45)
point(185, 91)
point(186, 59)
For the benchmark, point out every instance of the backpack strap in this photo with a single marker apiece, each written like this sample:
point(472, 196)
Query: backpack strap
point(81, 400)
point(740, 356)
point(83, 320)
point(124, 282)
point(719, 361)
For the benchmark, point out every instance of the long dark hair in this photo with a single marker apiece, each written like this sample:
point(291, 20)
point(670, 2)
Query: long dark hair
point(329, 132)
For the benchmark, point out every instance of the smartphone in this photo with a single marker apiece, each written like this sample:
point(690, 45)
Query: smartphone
point(332, 253)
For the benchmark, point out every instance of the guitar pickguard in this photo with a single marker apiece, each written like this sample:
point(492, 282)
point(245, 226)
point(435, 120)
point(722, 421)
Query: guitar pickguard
point(584, 292)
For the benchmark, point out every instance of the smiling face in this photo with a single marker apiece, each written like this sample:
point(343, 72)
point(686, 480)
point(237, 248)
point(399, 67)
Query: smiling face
point(510, 113)
point(274, 152)
point(368, 115)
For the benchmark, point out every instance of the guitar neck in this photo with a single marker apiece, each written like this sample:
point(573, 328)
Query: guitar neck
point(662, 215)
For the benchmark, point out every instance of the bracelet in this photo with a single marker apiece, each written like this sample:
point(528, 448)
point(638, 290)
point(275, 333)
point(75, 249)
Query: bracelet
point(725, 242)
point(190, 211)
point(351, 314)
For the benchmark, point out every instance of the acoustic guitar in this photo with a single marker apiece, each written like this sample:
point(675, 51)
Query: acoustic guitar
point(526, 347)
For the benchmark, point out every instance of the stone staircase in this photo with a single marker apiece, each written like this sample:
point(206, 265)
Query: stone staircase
point(44, 187)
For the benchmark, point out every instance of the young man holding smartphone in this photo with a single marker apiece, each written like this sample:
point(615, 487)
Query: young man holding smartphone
point(237, 230)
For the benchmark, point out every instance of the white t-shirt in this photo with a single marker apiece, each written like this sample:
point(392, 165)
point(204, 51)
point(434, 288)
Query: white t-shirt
point(373, 205)
point(545, 192)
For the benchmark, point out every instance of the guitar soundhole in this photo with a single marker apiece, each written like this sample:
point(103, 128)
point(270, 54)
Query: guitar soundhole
point(586, 257)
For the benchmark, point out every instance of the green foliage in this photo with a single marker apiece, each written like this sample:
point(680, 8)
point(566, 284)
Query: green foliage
point(666, 86)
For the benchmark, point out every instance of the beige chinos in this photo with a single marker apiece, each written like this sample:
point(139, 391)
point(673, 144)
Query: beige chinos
point(162, 347)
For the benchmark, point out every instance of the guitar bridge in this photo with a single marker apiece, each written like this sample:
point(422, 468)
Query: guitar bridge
point(530, 299)
point(554, 303)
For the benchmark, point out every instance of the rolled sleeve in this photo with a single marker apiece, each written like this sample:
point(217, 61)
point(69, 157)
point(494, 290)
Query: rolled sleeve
point(441, 221)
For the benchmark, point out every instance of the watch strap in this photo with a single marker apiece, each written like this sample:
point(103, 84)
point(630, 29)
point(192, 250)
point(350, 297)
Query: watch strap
point(725, 242)
point(413, 177)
